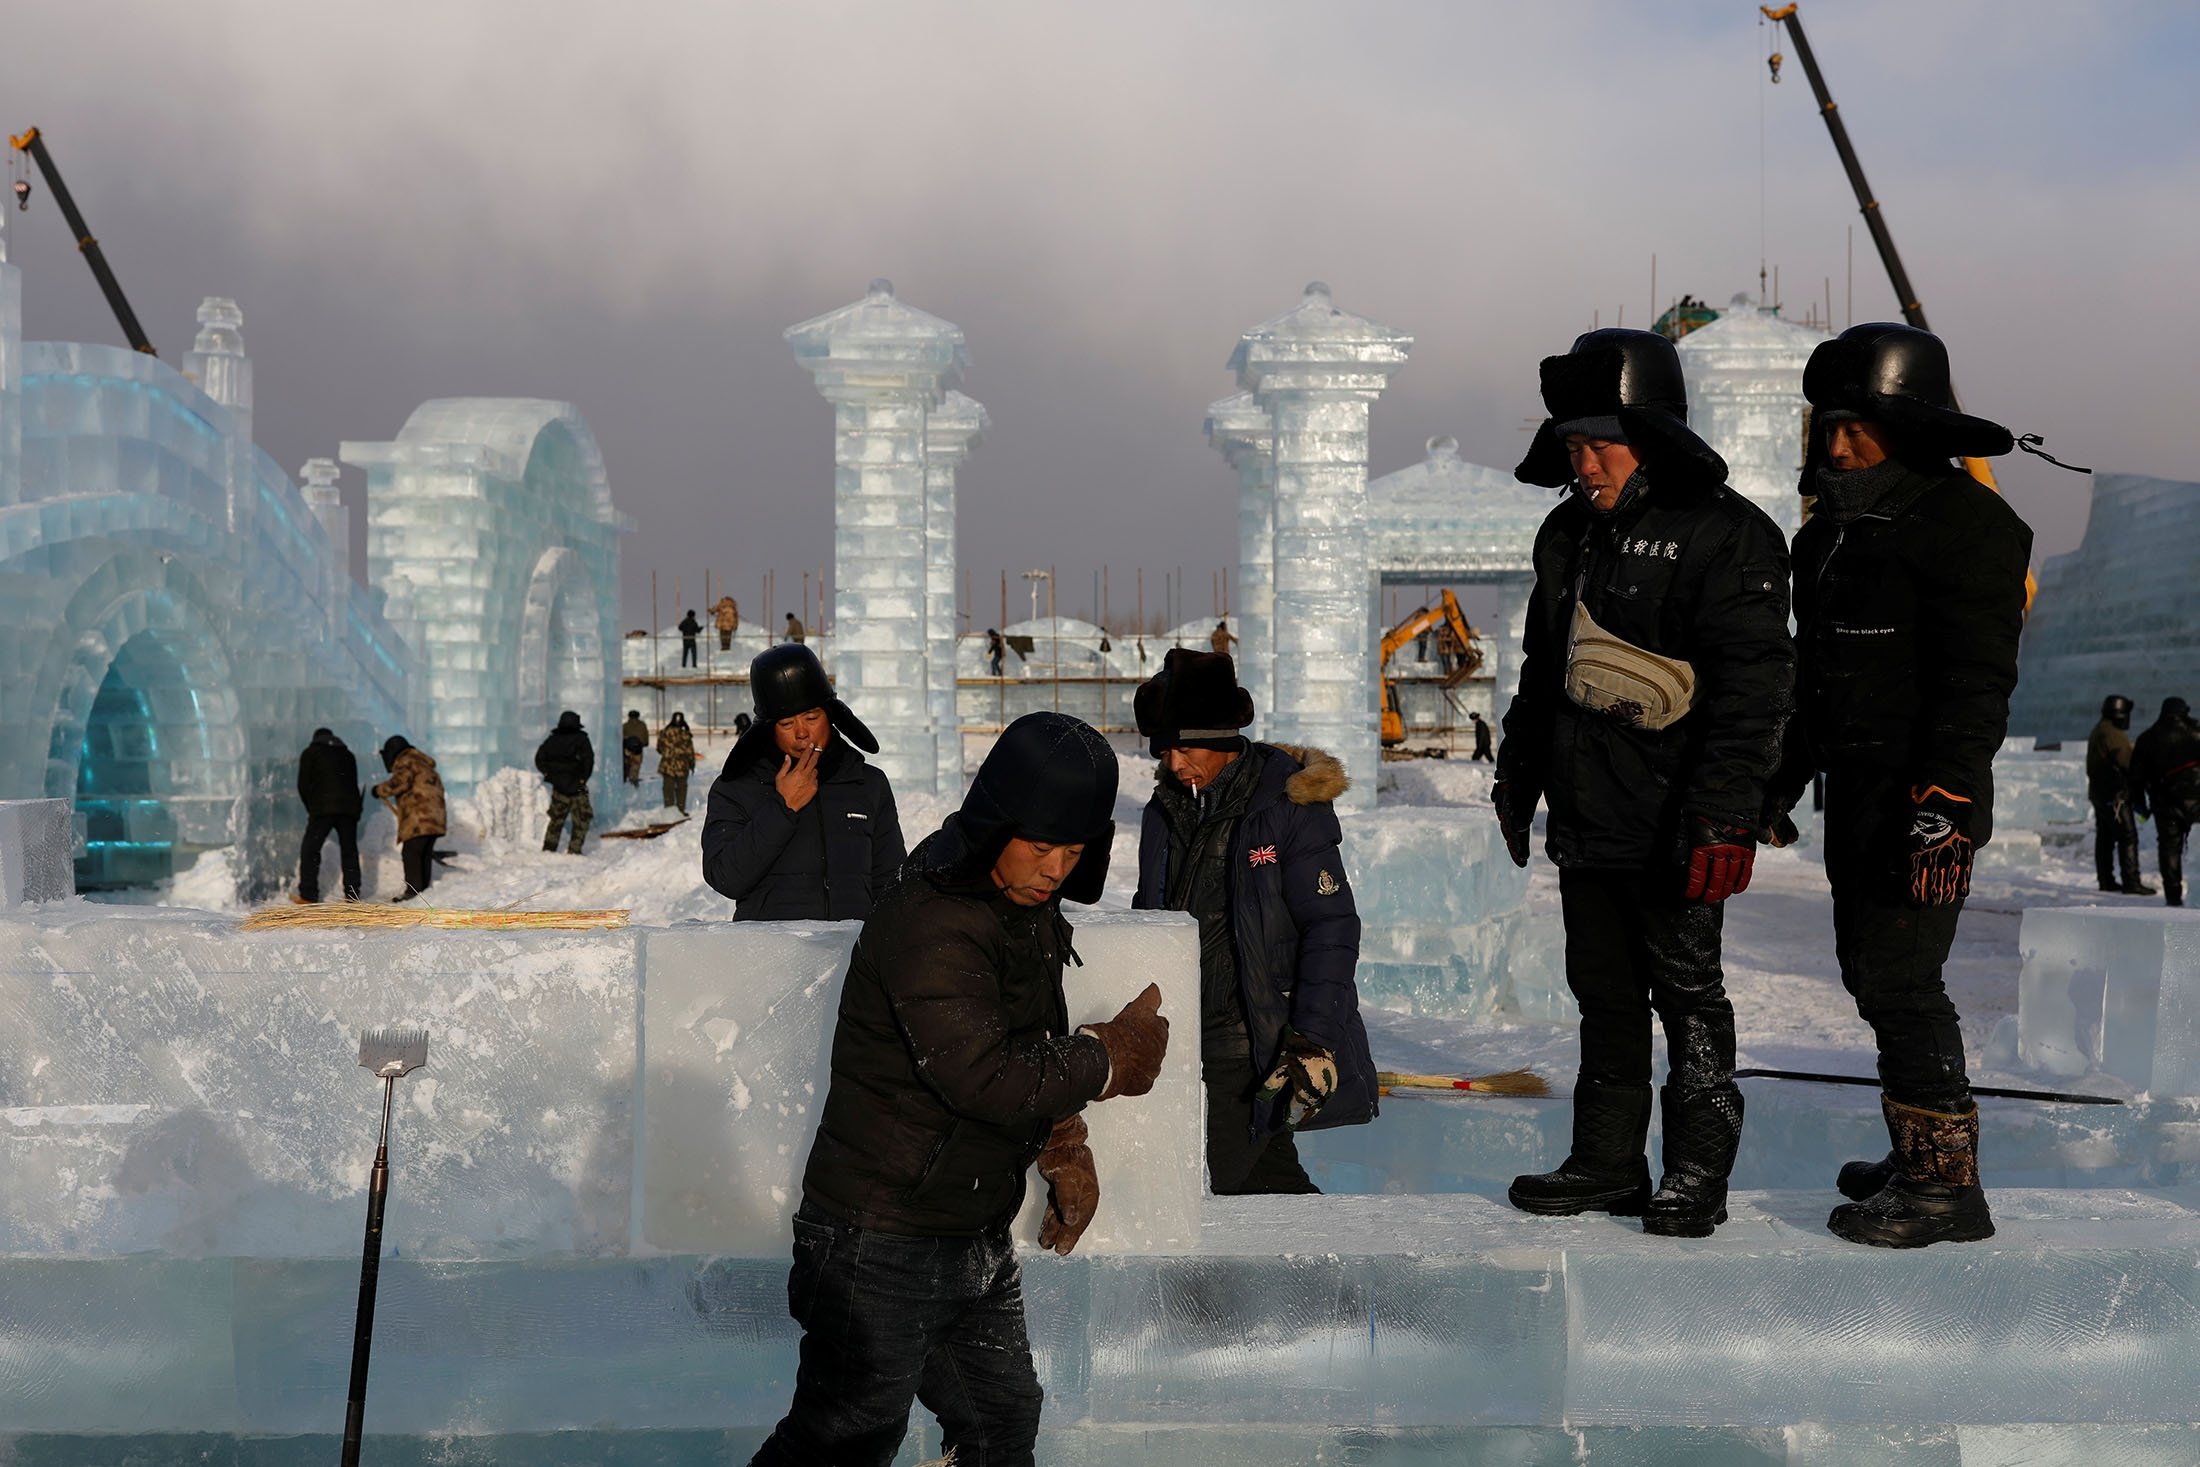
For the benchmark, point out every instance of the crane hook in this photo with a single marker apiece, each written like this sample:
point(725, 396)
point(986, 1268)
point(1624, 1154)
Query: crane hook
point(22, 193)
point(1774, 61)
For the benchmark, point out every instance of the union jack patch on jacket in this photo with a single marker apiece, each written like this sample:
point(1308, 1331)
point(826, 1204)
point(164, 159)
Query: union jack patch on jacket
point(1262, 855)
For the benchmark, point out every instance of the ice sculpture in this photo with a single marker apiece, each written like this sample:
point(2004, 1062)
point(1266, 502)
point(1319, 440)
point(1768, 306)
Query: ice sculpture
point(178, 619)
point(491, 520)
point(1745, 398)
point(2115, 615)
point(884, 366)
point(2114, 988)
point(950, 432)
point(1242, 432)
point(1316, 371)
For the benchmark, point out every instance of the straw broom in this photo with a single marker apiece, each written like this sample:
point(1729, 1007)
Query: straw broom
point(1505, 1082)
point(385, 915)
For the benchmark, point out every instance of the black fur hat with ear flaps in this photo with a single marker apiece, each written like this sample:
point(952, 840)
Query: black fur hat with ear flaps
point(786, 680)
point(1897, 377)
point(1194, 702)
point(1634, 379)
point(1049, 778)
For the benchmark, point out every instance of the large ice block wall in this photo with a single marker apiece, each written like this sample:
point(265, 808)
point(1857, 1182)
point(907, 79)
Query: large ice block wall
point(885, 366)
point(2114, 989)
point(175, 619)
point(1745, 398)
point(490, 525)
point(2117, 614)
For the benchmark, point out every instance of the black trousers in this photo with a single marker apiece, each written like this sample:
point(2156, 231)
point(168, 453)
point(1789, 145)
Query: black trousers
point(1892, 953)
point(2115, 837)
point(318, 829)
point(887, 1319)
point(1633, 945)
point(676, 791)
point(689, 657)
point(418, 855)
point(725, 640)
point(1237, 1165)
point(2171, 823)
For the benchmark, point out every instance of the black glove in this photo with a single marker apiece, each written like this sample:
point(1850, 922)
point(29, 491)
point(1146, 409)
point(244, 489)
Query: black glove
point(1940, 849)
point(1778, 831)
point(1720, 857)
point(1515, 817)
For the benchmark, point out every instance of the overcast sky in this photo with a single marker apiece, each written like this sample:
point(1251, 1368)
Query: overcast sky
point(624, 206)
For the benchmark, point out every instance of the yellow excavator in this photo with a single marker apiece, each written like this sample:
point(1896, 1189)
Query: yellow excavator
point(1463, 661)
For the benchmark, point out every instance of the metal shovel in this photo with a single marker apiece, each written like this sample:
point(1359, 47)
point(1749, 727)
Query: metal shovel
point(391, 1054)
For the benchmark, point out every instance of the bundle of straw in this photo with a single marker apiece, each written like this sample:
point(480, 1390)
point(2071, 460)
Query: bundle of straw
point(383, 914)
point(1505, 1082)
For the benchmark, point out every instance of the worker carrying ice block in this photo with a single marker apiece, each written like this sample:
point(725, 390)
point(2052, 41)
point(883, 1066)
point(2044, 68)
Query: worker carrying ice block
point(1244, 836)
point(1655, 675)
point(953, 1068)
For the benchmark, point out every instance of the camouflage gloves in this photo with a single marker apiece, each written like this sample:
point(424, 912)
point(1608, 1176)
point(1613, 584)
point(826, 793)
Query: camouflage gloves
point(1720, 858)
point(1073, 1187)
point(1939, 848)
point(1307, 1070)
point(1135, 1039)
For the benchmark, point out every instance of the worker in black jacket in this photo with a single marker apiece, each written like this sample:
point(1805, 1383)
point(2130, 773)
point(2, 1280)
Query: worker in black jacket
point(799, 827)
point(2165, 770)
point(565, 760)
point(328, 786)
point(953, 1070)
point(1909, 597)
point(1656, 675)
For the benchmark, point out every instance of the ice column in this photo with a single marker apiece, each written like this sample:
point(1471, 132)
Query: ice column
point(1317, 370)
point(11, 377)
point(216, 360)
point(1240, 430)
point(318, 483)
point(951, 431)
point(1745, 399)
point(883, 366)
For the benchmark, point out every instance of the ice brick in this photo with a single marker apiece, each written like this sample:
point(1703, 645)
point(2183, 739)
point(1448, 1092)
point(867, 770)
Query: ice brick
point(2112, 988)
point(172, 1085)
point(37, 841)
point(737, 1033)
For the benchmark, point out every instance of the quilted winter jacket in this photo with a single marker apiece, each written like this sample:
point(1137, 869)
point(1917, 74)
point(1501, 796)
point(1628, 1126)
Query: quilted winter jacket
point(825, 862)
point(1294, 922)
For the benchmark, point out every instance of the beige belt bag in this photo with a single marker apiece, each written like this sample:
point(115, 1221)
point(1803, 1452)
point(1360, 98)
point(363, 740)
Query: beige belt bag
point(1607, 675)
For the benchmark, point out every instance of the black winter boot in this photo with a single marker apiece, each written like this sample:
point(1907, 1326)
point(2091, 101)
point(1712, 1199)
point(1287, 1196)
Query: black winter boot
point(1934, 1195)
point(1606, 1171)
point(1703, 1129)
point(1862, 1180)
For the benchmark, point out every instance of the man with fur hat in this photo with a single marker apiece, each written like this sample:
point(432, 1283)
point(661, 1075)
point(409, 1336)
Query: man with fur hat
point(565, 760)
point(414, 792)
point(954, 1069)
point(1244, 836)
point(1909, 597)
point(2109, 786)
point(1656, 673)
point(799, 827)
point(2165, 768)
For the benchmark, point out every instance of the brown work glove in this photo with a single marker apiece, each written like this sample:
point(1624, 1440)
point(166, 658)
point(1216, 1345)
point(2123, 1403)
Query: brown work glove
point(1135, 1040)
point(1073, 1187)
point(1305, 1069)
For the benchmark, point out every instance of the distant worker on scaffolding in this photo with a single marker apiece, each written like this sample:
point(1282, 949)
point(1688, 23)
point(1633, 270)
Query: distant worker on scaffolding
point(796, 632)
point(727, 614)
point(1220, 639)
point(690, 629)
point(996, 649)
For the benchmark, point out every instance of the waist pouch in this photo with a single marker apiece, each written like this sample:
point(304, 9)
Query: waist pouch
point(1612, 676)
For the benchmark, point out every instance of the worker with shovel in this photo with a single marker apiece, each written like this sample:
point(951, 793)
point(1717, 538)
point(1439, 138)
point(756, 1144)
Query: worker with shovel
point(1656, 673)
point(953, 1067)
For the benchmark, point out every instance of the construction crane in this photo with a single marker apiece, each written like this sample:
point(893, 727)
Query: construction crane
point(33, 143)
point(1446, 620)
point(1875, 218)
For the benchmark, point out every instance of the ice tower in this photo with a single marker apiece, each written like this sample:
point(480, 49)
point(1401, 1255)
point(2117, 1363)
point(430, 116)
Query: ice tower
point(1316, 371)
point(490, 527)
point(884, 366)
point(1745, 398)
point(951, 431)
point(1241, 431)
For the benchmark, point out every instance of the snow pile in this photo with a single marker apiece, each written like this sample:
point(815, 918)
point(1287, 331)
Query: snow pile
point(510, 806)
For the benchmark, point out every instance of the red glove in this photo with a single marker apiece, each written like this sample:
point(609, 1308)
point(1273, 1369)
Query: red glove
point(1720, 858)
point(1940, 848)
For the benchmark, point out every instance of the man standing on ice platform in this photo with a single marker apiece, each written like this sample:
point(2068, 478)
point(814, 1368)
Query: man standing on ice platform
point(1656, 673)
point(1909, 597)
point(953, 1070)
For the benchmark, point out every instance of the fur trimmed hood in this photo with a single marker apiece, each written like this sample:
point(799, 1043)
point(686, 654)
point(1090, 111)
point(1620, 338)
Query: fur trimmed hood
point(1320, 780)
